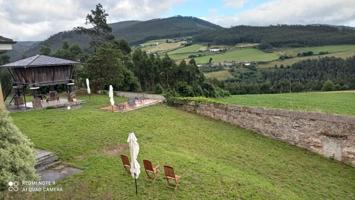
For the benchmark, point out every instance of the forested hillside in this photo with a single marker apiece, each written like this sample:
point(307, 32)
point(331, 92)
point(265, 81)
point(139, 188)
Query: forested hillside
point(326, 74)
point(280, 35)
point(134, 32)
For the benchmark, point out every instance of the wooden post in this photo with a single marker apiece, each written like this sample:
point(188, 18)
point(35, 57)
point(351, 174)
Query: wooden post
point(2, 103)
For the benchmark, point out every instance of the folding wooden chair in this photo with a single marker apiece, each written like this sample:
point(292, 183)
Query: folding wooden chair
point(126, 163)
point(171, 176)
point(150, 169)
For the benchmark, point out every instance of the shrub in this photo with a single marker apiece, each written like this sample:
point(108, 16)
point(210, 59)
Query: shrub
point(158, 89)
point(185, 90)
point(16, 153)
point(328, 85)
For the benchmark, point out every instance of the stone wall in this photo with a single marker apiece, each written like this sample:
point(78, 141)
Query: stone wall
point(137, 94)
point(332, 136)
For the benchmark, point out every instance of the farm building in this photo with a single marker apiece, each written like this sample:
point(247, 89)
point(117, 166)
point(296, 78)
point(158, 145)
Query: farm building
point(40, 71)
point(215, 49)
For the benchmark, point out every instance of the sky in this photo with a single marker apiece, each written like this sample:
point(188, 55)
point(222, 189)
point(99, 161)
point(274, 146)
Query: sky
point(33, 20)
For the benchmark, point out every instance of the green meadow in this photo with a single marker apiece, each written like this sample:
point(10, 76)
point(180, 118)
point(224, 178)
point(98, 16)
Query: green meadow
point(341, 102)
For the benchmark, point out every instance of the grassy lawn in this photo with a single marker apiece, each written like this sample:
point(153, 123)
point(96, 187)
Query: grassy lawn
point(216, 160)
point(329, 102)
point(239, 54)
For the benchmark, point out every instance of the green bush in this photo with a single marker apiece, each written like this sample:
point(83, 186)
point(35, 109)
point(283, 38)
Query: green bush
point(16, 153)
point(328, 86)
point(158, 89)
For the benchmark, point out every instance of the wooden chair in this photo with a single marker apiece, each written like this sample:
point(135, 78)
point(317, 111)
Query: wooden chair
point(171, 176)
point(150, 169)
point(126, 163)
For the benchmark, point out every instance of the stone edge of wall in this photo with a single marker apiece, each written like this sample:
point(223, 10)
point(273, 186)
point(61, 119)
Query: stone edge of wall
point(216, 111)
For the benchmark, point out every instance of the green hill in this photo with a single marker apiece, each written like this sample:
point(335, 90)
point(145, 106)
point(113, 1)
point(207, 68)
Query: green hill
point(135, 32)
point(280, 35)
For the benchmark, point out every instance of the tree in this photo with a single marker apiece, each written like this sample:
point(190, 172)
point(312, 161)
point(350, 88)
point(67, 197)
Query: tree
point(106, 67)
point(45, 50)
point(16, 153)
point(328, 86)
point(101, 32)
point(73, 52)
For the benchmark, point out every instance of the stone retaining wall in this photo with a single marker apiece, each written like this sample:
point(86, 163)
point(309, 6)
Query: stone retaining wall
point(137, 94)
point(332, 136)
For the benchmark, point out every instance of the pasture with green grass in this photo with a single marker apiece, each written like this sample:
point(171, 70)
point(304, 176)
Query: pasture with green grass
point(239, 54)
point(185, 52)
point(341, 102)
point(341, 51)
point(214, 159)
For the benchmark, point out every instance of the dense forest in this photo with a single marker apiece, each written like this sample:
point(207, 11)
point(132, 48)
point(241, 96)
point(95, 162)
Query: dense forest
point(280, 35)
point(327, 73)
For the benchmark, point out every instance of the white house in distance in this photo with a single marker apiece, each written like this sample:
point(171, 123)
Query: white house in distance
point(5, 45)
point(215, 50)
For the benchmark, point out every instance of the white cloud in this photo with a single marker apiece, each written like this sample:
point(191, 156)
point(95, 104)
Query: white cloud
point(336, 12)
point(37, 19)
point(234, 3)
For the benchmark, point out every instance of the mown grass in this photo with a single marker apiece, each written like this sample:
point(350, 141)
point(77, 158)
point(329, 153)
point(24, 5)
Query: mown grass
point(184, 52)
point(342, 102)
point(216, 160)
point(239, 54)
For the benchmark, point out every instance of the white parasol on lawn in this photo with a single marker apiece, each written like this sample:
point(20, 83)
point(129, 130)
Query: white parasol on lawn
point(88, 86)
point(110, 95)
point(134, 151)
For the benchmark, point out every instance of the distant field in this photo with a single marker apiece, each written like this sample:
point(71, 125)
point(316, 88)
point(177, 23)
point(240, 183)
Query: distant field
point(159, 46)
point(239, 54)
point(341, 51)
point(342, 102)
point(184, 52)
point(220, 75)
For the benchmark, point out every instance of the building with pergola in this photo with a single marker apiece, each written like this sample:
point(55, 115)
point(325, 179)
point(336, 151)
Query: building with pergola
point(39, 71)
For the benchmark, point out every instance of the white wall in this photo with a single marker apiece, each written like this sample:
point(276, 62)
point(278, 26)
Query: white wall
point(5, 47)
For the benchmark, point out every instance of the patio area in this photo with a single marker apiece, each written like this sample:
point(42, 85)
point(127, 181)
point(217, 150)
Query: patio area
point(60, 103)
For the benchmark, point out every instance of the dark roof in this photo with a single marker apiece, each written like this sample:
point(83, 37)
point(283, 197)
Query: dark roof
point(4, 40)
point(38, 61)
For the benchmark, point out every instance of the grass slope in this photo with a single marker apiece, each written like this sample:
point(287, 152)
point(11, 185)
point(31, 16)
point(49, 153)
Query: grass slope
point(215, 160)
point(184, 52)
point(341, 51)
point(239, 54)
point(329, 102)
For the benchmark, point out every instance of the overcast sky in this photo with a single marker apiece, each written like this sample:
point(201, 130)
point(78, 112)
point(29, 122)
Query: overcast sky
point(38, 19)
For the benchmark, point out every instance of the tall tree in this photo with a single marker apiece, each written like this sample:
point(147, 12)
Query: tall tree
point(100, 32)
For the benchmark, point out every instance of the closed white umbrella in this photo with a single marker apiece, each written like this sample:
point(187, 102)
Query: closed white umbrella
point(110, 95)
point(88, 86)
point(134, 151)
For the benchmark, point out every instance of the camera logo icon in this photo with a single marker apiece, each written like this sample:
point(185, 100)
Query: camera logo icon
point(13, 186)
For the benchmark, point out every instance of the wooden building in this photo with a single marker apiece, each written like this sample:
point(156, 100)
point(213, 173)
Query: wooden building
point(38, 71)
